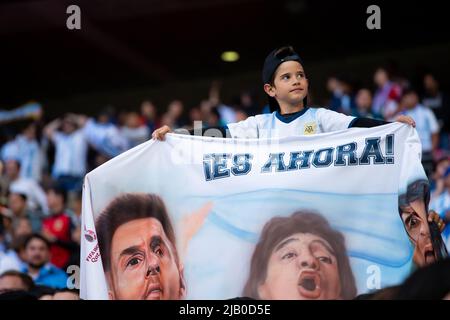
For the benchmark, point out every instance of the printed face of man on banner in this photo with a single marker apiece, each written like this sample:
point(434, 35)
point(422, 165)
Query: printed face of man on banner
point(137, 245)
point(413, 211)
point(300, 258)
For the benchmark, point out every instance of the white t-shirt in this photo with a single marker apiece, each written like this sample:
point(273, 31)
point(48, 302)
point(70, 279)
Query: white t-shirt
point(30, 158)
point(274, 125)
point(105, 138)
point(426, 125)
point(70, 154)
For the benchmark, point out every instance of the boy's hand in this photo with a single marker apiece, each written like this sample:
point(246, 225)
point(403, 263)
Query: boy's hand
point(159, 133)
point(406, 119)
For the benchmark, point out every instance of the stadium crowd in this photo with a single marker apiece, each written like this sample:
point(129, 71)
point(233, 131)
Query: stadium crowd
point(43, 164)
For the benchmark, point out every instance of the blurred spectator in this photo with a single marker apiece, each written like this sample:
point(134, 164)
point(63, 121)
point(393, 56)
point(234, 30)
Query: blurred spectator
point(175, 112)
point(195, 115)
point(334, 87)
point(104, 136)
point(14, 281)
point(134, 131)
point(39, 268)
point(214, 119)
point(71, 136)
point(22, 227)
point(70, 150)
point(205, 109)
point(439, 103)
point(385, 101)
point(7, 262)
point(58, 228)
point(167, 120)
point(342, 99)
point(226, 113)
point(249, 104)
point(62, 294)
point(6, 217)
point(363, 102)
point(441, 204)
point(3, 244)
point(75, 215)
point(241, 115)
point(10, 150)
point(347, 99)
point(17, 203)
point(149, 115)
point(25, 149)
point(8, 258)
point(437, 179)
point(426, 126)
point(12, 182)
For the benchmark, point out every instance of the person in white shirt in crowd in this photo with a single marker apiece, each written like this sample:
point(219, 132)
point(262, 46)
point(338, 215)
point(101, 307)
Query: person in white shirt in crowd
point(71, 148)
point(426, 125)
point(8, 259)
point(72, 135)
point(25, 147)
point(12, 182)
point(104, 136)
point(134, 130)
point(9, 150)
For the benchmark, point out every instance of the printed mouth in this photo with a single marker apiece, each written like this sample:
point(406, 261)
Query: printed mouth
point(429, 254)
point(309, 285)
point(429, 257)
point(296, 90)
point(154, 292)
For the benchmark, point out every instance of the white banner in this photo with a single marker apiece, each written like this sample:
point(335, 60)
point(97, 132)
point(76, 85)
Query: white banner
point(327, 216)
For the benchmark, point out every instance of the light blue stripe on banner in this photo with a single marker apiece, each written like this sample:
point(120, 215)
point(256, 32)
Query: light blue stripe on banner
point(240, 233)
point(291, 190)
point(253, 238)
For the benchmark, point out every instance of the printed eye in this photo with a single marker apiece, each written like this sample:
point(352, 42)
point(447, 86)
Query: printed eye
point(413, 222)
point(285, 77)
point(300, 75)
point(325, 259)
point(133, 261)
point(159, 251)
point(289, 255)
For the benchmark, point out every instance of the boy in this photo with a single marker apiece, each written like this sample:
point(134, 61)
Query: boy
point(286, 85)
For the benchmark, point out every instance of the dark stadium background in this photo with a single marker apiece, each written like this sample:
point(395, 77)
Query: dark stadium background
point(130, 50)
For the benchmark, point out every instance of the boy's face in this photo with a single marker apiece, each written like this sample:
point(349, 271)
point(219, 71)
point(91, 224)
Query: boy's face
point(290, 84)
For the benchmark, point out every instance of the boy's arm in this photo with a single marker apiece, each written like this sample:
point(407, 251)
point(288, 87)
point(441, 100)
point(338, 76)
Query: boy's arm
point(369, 123)
point(366, 123)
